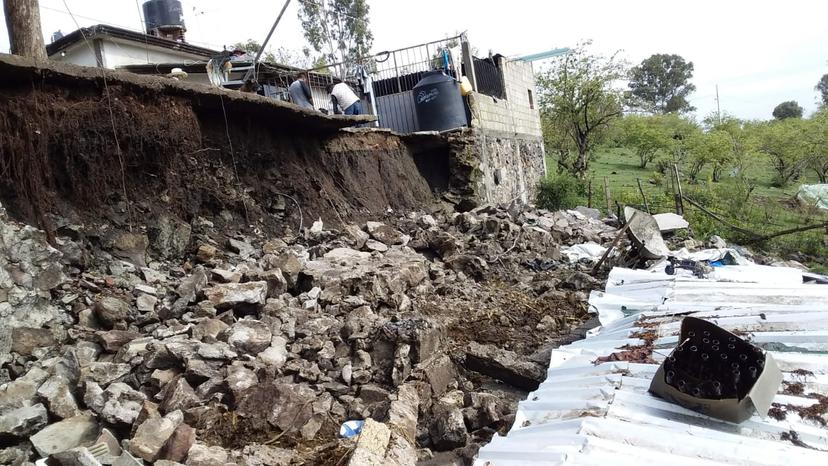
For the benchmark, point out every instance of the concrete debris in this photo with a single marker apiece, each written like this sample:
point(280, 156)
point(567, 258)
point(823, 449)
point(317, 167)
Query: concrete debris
point(188, 346)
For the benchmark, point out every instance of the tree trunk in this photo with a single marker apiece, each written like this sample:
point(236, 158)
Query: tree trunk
point(23, 21)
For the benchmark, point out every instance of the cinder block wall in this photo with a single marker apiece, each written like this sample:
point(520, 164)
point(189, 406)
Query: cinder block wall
point(515, 114)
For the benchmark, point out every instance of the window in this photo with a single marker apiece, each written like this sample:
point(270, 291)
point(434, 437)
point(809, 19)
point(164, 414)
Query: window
point(531, 100)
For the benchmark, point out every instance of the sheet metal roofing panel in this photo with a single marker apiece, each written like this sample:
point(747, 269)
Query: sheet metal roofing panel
point(589, 414)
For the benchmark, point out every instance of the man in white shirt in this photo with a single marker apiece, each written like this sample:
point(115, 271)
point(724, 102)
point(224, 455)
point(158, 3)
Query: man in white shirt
point(344, 99)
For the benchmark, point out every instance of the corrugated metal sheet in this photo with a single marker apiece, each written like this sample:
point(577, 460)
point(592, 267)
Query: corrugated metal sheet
point(603, 414)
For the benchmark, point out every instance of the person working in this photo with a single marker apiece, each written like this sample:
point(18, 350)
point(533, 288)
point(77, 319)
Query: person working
point(300, 92)
point(344, 100)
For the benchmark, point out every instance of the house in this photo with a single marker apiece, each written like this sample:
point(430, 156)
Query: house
point(113, 47)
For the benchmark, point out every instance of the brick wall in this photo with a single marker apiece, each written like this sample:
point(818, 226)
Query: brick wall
point(515, 113)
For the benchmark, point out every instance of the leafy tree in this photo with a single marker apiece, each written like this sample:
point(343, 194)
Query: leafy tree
point(783, 142)
point(712, 148)
point(557, 141)
point(789, 109)
point(282, 55)
point(647, 136)
point(252, 48)
point(661, 84)
point(337, 29)
point(740, 138)
point(822, 87)
point(577, 93)
point(816, 140)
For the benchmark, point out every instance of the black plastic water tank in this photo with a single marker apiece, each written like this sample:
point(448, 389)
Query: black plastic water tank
point(438, 103)
point(163, 13)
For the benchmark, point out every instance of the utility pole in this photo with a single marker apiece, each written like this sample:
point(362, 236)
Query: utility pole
point(718, 106)
point(23, 22)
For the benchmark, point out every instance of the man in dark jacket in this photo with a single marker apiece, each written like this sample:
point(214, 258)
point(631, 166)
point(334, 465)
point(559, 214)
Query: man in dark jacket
point(300, 92)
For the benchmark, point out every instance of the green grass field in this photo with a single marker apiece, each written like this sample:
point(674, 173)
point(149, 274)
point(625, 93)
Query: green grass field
point(765, 210)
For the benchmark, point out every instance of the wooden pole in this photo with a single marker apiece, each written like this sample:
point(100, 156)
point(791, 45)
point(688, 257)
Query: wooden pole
point(589, 194)
point(23, 22)
point(607, 196)
point(613, 245)
point(641, 190)
point(680, 193)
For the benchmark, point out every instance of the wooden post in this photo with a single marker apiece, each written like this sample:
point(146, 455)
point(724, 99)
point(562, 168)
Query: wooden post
point(680, 198)
point(23, 22)
point(607, 195)
point(589, 194)
point(646, 204)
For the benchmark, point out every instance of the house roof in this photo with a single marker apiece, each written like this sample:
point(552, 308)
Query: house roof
point(587, 412)
point(93, 32)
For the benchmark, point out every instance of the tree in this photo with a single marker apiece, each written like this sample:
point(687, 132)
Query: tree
point(578, 94)
point(282, 55)
point(647, 136)
point(822, 87)
point(740, 138)
point(337, 29)
point(712, 148)
point(783, 142)
point(789, 109)
point(23, 23)
point(816, 141)
point(661, 84)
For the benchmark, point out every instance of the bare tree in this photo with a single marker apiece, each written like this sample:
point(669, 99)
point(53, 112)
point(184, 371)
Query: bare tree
point(23, 22)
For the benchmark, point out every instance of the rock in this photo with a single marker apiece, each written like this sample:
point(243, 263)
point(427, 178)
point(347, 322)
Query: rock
point(58, 395)
point(228, 295)
point(79, 456)
point(471, 265)
point(373, 245)
point(118, 404)
point(146, 303)
point(589, 212)
point(402, 364)
point(206, 253)
point(178, 395)
point(169, 237)
point(289, 265)
point(356, 237)
point(128, 460)
point(241, 248)
point(226, 276)
point(24, 340)
point(179, 444)
point(504, 365)
point(131, 247)
point(113, 340)
point(249, 336)
point(580, 281)
point(65, 435)
point(208, 329)
point(480, 410)
point(20, 392)
point(240, 378)
point(371, 445)
point(287, 406)
point(201, 455)
point(373, 393)
point(23, 422)
point(403, 412)
point(277, 284)
point(448, 429)
point(105, 373)
point(110, 311)
point(427, 221)
point(439, 372)
point(384, 233)
point(276, 354)
point(153, 434)
point(192, 285)
point(264, 455)
point(716, 242)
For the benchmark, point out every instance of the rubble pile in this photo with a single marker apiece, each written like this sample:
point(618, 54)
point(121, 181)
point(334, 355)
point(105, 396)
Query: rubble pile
point(181, 344)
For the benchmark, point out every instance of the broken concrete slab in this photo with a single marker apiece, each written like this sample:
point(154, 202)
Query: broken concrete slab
point(24, 421)
point(228, 295)
point(66, 434)
point(153, 434)
point(371, 445)
point(504, 365)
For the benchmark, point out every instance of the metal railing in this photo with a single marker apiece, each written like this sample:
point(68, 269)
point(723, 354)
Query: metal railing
point(489, 77)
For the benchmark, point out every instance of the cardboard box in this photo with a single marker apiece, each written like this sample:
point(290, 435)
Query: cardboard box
point(755, 394)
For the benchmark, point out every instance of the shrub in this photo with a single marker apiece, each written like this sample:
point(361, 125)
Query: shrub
point(561, 191)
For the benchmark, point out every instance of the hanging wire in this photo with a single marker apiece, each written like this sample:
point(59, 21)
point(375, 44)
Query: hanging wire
point(111, 114)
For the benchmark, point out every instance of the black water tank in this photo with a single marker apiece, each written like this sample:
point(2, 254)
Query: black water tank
point(163, 14)
point(438, 103)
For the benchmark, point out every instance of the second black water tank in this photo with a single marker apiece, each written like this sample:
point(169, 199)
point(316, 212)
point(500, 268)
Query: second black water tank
point(438, 103)
point(161, 13)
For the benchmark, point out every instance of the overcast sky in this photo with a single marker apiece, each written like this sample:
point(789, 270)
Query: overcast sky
point(760, 52)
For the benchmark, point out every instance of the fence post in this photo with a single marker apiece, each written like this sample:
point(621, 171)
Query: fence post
point(646, 204)
point(680, 194)
point(589, 194)
point(468, 61)
point(397, 72)
point(607, 195)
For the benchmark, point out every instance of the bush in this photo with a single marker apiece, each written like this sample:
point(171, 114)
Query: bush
point(561, 191)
